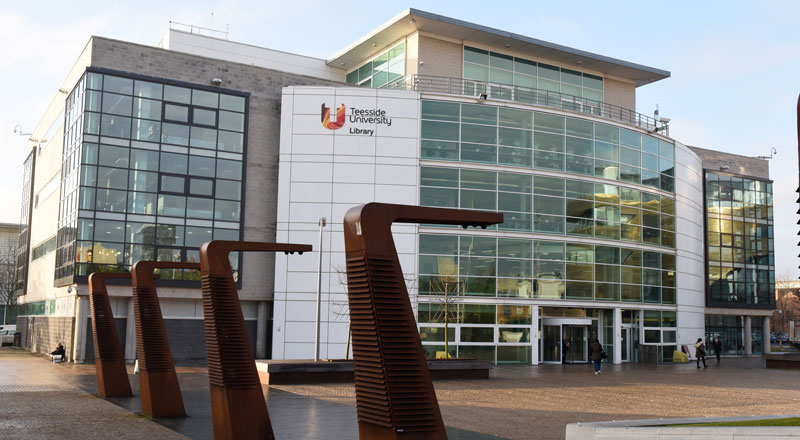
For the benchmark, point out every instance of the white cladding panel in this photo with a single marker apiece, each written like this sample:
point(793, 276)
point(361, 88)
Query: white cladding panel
point(323, 172)
point(689, 241)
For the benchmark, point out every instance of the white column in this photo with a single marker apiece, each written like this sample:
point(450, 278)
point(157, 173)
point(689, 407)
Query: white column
point(535, 335)
point(79, 341)
point(747, 336)
point(765, 336)
point(617, 336)
point(130, 333)
point(261, 331)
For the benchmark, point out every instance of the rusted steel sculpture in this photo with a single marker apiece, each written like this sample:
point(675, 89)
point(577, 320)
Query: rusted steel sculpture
point(109, 360)
point(158, 381)
point(238, 407)
point(394, 394)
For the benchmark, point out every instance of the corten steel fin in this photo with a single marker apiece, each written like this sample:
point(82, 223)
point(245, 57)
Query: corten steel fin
point(158, 381)
point(238, 407)
point(109, 360)
point(394, 393)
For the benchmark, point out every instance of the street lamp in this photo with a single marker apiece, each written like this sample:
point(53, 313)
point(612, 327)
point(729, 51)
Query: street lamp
point(322, 222)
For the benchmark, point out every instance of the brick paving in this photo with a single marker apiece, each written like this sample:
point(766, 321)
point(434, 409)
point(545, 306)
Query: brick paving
point(517, 402)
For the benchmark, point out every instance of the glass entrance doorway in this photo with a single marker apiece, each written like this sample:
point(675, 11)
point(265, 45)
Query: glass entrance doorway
point(576, 350)
point(630, 344)
point(566, 340)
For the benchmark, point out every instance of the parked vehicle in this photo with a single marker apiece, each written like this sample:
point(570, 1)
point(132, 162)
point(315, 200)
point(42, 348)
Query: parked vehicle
point(12, 327)
point(7, 336)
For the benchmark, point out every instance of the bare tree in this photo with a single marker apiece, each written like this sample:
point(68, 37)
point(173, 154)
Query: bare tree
point(787, 303)
point(445, 290)
point(8, 277)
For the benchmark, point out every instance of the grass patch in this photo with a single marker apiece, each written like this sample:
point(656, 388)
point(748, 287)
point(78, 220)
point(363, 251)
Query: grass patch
point(788, 421)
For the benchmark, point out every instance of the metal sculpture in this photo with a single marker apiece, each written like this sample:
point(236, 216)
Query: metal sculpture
point(109, 360)
point(158, 381)
point(394, 393)
point(238, 407)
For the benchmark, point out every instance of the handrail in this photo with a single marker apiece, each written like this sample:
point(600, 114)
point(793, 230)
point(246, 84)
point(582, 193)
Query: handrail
point(527, 95)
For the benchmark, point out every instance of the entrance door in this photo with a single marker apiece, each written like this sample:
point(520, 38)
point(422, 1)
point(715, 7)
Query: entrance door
point(578, 351)
point(551, 343)
point(626, 344)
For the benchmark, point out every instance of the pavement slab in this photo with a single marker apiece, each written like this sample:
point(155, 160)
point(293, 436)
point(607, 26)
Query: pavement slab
point(517, 402)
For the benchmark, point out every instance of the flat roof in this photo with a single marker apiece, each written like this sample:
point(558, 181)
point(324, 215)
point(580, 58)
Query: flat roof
point(413, 20)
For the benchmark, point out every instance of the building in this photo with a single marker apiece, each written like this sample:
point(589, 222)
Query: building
point(605, 231)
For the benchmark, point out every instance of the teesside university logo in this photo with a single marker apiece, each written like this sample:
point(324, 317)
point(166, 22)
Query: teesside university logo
point(326, 118)
point(371, 116)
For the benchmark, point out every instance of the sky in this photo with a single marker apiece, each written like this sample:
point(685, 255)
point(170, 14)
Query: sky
point(734, 65)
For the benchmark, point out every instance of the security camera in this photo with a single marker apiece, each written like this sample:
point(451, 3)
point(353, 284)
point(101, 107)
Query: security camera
point(665, 120)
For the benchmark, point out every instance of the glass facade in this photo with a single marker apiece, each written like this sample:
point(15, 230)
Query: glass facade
point(554, 205)
point(150, 171)
point(483, 65)
point(23, 241)
point(586, 184)
point(381, 70)
point(494, 267)
point(510, 137)
point(729, 329)
point(739, 236)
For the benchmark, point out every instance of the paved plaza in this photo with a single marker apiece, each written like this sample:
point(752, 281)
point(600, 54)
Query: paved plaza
point(41, 399)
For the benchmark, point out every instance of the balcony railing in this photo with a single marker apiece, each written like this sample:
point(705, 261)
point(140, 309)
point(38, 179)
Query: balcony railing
point(528, 95)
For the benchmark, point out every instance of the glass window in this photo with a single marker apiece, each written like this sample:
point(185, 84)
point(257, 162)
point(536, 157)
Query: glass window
point(230, 141)
point(149, 131)
point(204, 117)
point(204, 98)
point(144, 160)
point(176, 184)
point(118, 85)
point(169, 235)
point(228, 189)
point(548, 122)
point(174, 206)
point(173, 163)
point(230, 102)
point(117, 104)
point(143, 181)
point(144, 89)
point(203, 138)
point(178, 113)
point(226, 210)
point(116, 126)
point(116, 178)
point(231, 121)
point(442, 111)
point(202, 187)
point(479, 114)
point(175, 134)
point(113, 156)
point(229, 169)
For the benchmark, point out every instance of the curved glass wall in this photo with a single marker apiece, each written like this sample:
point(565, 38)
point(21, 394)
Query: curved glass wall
point(554, 205)
point(495, 267)
point(488, 134)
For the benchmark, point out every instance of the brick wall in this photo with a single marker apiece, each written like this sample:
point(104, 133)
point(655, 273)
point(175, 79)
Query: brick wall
point(619, 93)
point(41, 334)
point(440, 58)
point(263, 140)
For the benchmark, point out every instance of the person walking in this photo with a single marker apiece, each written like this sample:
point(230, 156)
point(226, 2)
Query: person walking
point(564, 350)
point(597, 355)
point(700, 352)
point(717, 345)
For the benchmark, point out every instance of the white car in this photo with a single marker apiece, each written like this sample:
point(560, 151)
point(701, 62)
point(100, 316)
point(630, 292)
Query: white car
point(7, 336)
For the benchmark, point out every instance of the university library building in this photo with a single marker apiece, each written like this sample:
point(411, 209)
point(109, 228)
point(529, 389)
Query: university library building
point(612, 229)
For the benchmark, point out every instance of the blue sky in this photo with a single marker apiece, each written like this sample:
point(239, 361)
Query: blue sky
point(734, 65)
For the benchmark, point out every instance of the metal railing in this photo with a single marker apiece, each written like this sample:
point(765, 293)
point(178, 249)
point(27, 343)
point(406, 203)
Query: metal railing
point(199, 30)
point(528, 95)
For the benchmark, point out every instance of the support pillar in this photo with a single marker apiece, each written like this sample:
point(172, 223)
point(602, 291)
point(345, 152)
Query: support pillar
point(747, 336)
point(617, 336)
point(535, 335)
point(79, 340)
point(130, 334)
point(261, 331)
point(765, 331)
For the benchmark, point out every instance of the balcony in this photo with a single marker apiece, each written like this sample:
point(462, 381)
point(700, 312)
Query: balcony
point(528, 95)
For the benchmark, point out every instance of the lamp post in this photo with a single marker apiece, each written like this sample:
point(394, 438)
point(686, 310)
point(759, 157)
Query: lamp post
point(322, 222)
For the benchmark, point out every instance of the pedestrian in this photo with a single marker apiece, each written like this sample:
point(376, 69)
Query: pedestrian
point(564, 350)
point(597, 355)
point(700, 352)
point(717, 345)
